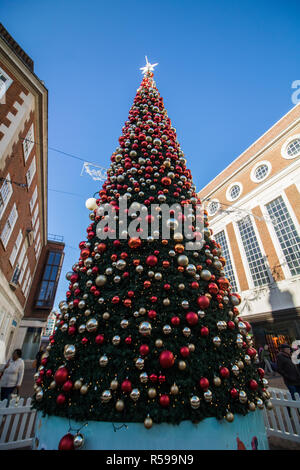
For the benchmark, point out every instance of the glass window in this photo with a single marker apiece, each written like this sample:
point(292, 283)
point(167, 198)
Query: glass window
point(261, 172)
point(213, 207)
point(286, 232)
point(50, 278)
point(228, 269)
point(255, 258)
point(5, 82)
point(235, 191)
point(293, 149)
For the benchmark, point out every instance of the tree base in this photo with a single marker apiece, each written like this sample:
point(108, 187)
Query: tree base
point(209, 434)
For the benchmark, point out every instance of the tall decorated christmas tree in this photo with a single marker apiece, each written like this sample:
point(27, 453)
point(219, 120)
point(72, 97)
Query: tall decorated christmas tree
point(149, 335)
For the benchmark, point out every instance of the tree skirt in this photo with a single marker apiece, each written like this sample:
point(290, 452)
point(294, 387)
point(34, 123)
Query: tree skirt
point(209, 434)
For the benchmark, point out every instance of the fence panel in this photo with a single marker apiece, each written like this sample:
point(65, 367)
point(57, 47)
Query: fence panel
point(16, 419)
point(283, 420)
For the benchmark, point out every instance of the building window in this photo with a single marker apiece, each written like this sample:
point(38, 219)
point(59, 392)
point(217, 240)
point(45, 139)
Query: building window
point(33, 199)
point(291, 148)
point(9, 226)
point(5, 194)
point(260, 171)
point(28, 143)
point(234, 191)
point(23, 269)
point(31, 172)
point(228, 269)
point(35, 215)
point(213, 207)
point(16, 248)
point(35, 231)
point(255, 258)
point(286, 232)
point(5, 82)
point(50, 279)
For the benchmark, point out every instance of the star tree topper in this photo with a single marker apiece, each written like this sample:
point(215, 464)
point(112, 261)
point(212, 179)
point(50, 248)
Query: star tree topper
point(148, 67)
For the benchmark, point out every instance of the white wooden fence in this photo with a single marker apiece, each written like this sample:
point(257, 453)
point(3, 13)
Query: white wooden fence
point(284, 419)
point(16, 424)
point(18, 419)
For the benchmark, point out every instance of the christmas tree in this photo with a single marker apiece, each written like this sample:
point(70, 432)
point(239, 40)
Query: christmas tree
point(150, 330)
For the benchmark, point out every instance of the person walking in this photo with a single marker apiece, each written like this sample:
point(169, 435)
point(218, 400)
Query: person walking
point(289, 371)
point(11, 376)
point(266, 359)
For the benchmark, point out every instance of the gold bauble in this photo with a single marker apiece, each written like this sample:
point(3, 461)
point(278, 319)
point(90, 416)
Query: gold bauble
point(120, 405)
point(252, 406)
point(240, 364)
point(229, 417)
point(269, 405)
point(178, 237)
point(217, 381)
point(114, 384)
point(152, 393)
point(182, 365)
point(259, 403)
point(52, 385)
point(191, 347)
point(182, 260)
point(148, 423)
point(106, 316)
point(159, 343)
point(77, 384)
point(174, 389)
point(84, 389)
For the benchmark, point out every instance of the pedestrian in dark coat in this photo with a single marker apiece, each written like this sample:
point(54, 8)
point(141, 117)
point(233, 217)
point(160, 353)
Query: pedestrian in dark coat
point(289, 371)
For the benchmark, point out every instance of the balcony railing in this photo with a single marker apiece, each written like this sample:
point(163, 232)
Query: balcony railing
point(55, 238)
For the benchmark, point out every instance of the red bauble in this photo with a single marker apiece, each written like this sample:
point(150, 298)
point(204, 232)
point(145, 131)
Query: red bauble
point(162, 379)
point(66, 442)
point(72, 330)
point(251, 352)
point(164, 400)
point(191, 318)
point(60, 400)
point(204, 383)
point(61, 375)
point(166, 359)
point(84, 341)
point(213, 288)
point(153, 378)
point(166, 181)
point(144, 349)
point(128, 340)
point(261, 372)
point(253, 384)
point(49, 373)
point(203, 301)
point(151, 260)
point(152, 314)
point(67, 386)
point(99, 339)
point(234, 393)
point(204, 331)
point(184, 351)
point(175, 321)
point(85, 253)
point(126, 386)
point(231, 325)
point(101, 247)
point(224, 372)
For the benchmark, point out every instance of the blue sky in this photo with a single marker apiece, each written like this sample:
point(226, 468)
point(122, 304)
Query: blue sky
point(225, 72)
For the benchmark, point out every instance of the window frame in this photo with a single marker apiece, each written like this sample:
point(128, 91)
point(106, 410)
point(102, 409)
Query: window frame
point(4, 89)
point(212, 214)
point(285, 146)
point(6, 201)
point(27, 151)
point(42, 302)
point(256, 166)
point(228, 195)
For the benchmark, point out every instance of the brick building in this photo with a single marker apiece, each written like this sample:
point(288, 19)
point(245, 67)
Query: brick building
point(25, 252)
point(254, 211)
